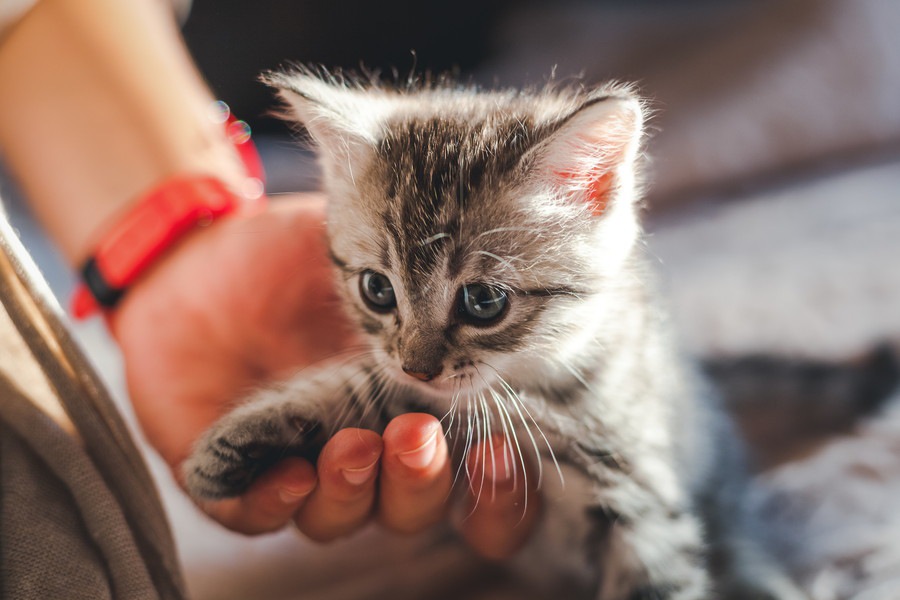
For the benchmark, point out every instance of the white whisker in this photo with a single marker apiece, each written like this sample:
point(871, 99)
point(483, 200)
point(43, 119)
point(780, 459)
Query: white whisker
point(578, 376)
point(432, 239)
point(531, 230)
point(356, 390)
point(517, 403)
point(463, 465)
point(512, 437)
point(507, 433)
point(489, 442)
point(503, 261)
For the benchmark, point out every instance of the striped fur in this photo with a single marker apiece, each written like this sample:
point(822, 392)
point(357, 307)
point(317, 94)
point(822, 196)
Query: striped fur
point(534, 194)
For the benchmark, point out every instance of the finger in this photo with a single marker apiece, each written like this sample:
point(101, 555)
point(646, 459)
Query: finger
point(344, 498)
point(502, 504)
point(415, 478)
point(271, 501)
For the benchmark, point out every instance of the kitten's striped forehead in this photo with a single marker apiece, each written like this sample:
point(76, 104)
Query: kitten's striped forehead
point(439, 173)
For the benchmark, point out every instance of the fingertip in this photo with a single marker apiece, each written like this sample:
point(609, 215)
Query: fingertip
point(503, 504)
point(344, 498)
point(350, 448)
point(416, 481)
point(271, 501)
point(414, 445)
point(292, 478)
point(495, 462)
point(408, 429)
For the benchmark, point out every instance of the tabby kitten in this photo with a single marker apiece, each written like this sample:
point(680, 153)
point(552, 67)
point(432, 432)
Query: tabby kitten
point(487, 245)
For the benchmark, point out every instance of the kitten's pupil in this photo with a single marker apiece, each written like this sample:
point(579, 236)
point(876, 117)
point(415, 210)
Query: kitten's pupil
point(482, 304)
point(377, 291)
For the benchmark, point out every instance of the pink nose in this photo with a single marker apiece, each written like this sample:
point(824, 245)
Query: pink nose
point(421, 376)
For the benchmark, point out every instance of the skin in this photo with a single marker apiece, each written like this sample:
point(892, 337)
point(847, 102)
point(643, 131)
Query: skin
point(233, 305)
point(295, 324)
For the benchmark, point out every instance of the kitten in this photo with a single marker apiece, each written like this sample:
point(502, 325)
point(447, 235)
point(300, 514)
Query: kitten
point(488, 247)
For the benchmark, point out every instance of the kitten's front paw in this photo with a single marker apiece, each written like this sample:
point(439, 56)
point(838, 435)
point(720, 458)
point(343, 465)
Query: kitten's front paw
point(242, 445)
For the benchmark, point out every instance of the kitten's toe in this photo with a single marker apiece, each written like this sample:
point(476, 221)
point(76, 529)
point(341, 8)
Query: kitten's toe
point(219, 469)
point(230, 457)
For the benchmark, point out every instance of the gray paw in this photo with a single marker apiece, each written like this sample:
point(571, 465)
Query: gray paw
point(242, 445)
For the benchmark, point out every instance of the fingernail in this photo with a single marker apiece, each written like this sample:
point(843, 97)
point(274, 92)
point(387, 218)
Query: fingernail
point(289, 496)
point(422, 456)
point(360, 476)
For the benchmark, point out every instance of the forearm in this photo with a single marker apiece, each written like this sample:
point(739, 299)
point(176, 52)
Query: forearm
point(100, 101)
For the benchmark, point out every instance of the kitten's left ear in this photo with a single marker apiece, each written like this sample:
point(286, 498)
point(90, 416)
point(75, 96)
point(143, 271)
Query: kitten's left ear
point(591, 154)
point(344, 121)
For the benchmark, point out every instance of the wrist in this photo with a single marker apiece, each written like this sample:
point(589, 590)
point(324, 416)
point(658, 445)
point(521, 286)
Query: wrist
point(150, 228)
point(170, 210)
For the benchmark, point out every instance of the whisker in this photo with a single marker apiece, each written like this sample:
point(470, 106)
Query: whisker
point(517, 402)
point(451, 412)
point(464, 463)
point(456, 440)
point(503, 261)
point(489, 442)
point(578, 376)
point(432, 239)
point(374, 392)
point(499, 401)
point(537, 232)
point(355, 391)
point(510, 435)
point(479, 432)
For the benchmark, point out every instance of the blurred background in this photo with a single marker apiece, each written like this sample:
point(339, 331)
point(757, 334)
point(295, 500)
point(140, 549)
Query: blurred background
point(773, 201)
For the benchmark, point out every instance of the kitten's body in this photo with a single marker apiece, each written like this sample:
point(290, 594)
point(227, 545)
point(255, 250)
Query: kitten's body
point(451, 195)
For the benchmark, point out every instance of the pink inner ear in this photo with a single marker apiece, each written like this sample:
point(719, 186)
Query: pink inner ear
point(586, 155)
point(598, 188)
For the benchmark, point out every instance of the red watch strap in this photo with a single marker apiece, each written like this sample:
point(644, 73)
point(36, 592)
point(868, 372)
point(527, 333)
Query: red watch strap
point(239, 134)
point(160, 218)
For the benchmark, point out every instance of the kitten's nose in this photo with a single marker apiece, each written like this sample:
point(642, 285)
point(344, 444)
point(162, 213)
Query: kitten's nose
point(421, 376)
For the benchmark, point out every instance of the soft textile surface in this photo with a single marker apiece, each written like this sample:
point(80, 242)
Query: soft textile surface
point(808, 269)
point(63, 533)
point(745, 89)
point(79, 516)
point(835, 516)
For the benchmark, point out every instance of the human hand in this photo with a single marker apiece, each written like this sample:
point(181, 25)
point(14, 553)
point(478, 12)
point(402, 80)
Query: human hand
point(250, 300)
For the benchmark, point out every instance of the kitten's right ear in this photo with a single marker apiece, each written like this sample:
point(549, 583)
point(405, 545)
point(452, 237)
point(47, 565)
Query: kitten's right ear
point(340, 117)
point(592, 153)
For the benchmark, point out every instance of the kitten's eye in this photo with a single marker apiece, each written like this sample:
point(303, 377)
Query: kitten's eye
point(377, 291)
point(481, 304)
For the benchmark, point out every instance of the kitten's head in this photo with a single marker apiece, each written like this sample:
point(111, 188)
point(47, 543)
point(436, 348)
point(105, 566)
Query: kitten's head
point(476, 233)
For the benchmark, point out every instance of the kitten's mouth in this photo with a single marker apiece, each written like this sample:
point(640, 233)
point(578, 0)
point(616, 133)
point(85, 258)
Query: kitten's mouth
point(439, 385)
point(446, 386)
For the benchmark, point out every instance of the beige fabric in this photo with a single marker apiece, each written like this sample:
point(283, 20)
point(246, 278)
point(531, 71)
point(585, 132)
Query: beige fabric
point(20, 367)
point(63, 532)
point(81, 521)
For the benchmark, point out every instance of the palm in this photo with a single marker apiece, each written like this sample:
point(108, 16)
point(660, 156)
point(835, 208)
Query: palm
point(251, 302)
